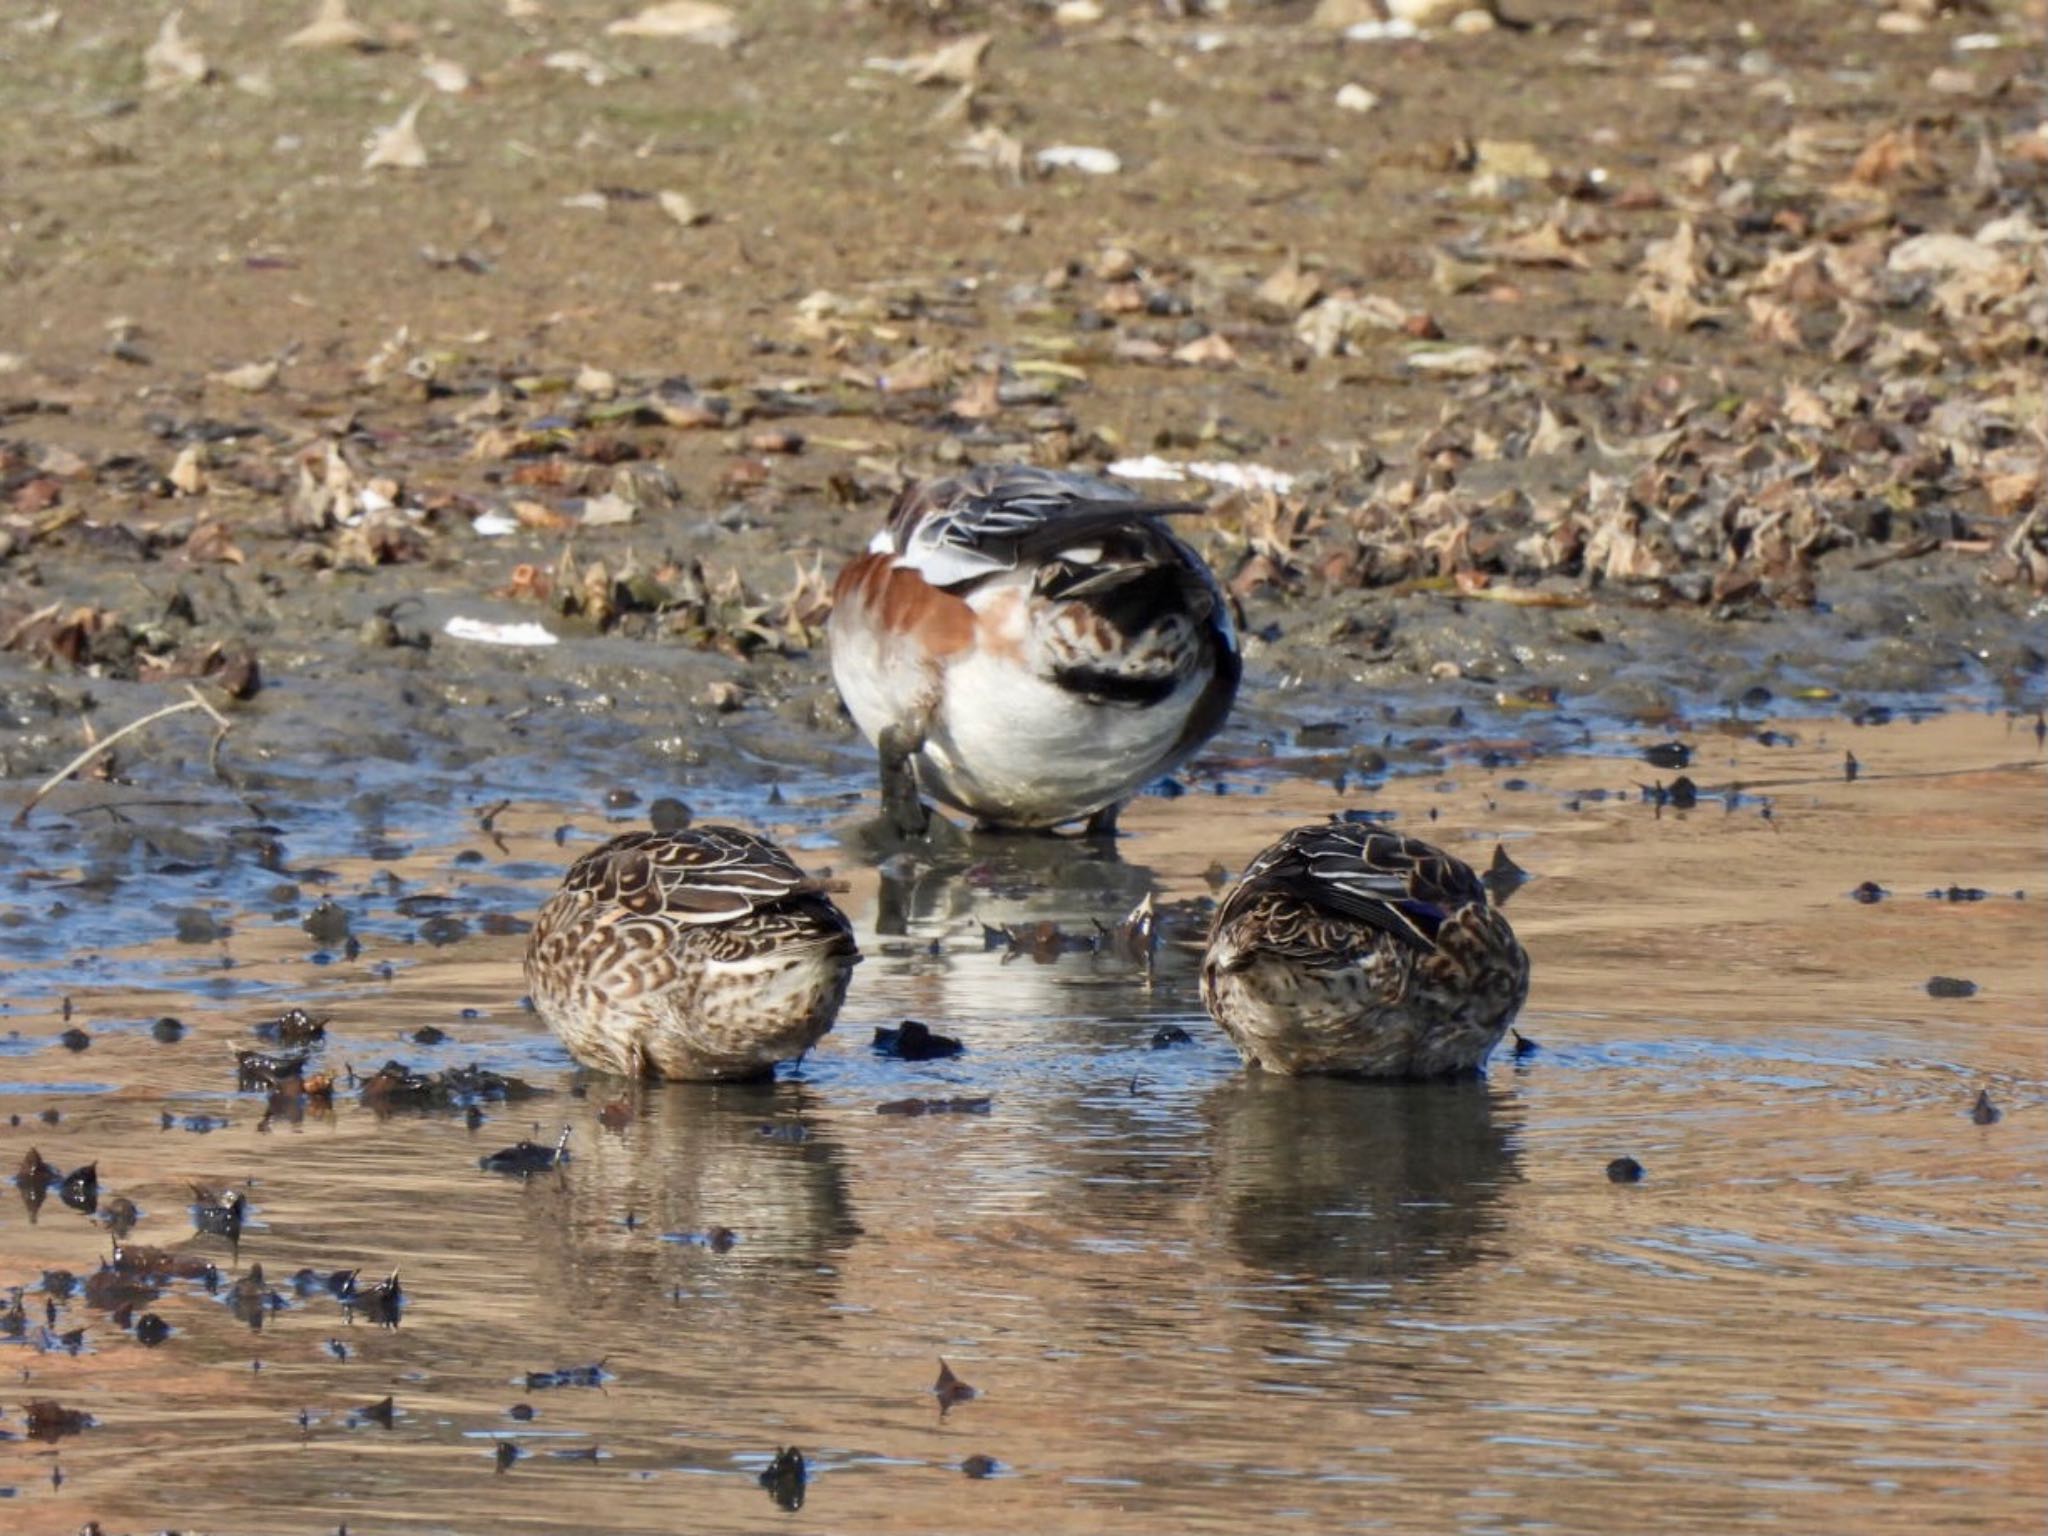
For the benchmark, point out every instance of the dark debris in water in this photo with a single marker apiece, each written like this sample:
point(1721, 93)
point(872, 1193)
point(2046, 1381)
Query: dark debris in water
point(81, 1189)
point(949, 1389)
point(913, 1041)
point(35, 1178)
point(395, 1086)
point(383, 1413)
point(785, 1477)
point(119, 1215)
point(527, 1157)
point(594, 1375)
point(219, 1213)
point(1624, 1170)
point(382, 1303)
point(961, 1106)
point(252, 1300)
point(266, 1071)
point(75, 1039)
point(1950, 986)
point(294, 1026)
point(979, 1466)
point(48, 1419)
point(1869, 893)
point(167, 1030)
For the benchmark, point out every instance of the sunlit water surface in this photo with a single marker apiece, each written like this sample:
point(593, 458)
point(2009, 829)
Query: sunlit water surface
point(1188, 1298)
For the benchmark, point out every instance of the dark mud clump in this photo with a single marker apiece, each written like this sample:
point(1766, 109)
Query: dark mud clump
point(594, 1375)
point(395, 1086)
point(527, 1157)
point(785, 1478)
point(913, 1041)
point(914, 1107)
point(294, 1027)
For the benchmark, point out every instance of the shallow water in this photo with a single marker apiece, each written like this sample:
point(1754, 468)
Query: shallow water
point(1188, 1298)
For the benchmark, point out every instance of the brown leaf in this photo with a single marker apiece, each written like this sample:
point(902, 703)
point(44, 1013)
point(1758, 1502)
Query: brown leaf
point(210, 543)
point(37, 495)
point(1897, 154)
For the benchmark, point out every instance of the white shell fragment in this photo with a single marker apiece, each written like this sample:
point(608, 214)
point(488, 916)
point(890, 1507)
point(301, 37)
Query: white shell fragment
point(1236, 477)
point(1397, 30)
point(486, 632)
point(398, 147)
point(1079, 157)
point(694, 21)
point(250, 378)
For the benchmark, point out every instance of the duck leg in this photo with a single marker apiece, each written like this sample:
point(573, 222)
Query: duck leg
point(1103, 822)
point(901, 806)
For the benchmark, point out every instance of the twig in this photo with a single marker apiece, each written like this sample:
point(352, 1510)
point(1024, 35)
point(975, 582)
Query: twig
point(14, 635)
point(220, 735)
point(100, 747)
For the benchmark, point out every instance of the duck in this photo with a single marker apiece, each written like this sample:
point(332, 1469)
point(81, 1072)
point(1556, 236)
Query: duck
point(1349, 950)
point(699, 955)
point(1030, 646)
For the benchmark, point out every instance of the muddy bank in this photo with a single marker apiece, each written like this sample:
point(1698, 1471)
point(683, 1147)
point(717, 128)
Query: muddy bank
point(1623, 403)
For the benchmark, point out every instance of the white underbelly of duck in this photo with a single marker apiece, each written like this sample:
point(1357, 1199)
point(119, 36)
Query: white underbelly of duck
point(1015, 748)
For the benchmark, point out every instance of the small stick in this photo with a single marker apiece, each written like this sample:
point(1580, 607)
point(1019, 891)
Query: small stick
point(105, 743)
point(29, 623)
point(225, 725)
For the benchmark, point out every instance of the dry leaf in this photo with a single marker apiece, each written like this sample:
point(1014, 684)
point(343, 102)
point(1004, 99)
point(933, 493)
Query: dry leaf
point(209, 543)
point(693, 21)
point(446, 75)
point(1897, 154)
point(188, 470)
point(679, 206)
point(171, 62)
point(956, 63)
point(1211, 351)
point(1774, 322)
point(1543, 246)
point(1804, 408)
point(332, 27)
point(398, 146)
point(1288, 290)
point(992, 149)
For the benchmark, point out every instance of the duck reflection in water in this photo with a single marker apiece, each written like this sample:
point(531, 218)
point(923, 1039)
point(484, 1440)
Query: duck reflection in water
point(727, 1189)
point(1346, 1180)
point(1001, 880)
